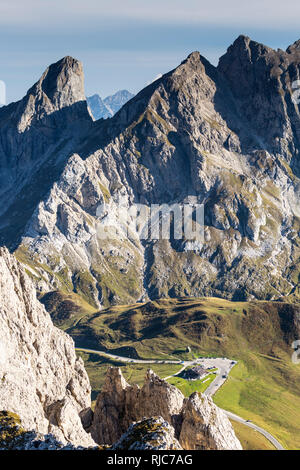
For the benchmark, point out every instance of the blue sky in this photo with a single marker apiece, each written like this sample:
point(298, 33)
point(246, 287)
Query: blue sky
point(127, 43)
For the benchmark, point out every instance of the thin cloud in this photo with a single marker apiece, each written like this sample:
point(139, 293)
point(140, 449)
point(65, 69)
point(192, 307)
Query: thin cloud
point(53, 13)
point(124, 44)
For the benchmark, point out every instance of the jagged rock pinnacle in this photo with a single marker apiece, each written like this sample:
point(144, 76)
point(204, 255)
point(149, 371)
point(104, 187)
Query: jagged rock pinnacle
point(197, 423)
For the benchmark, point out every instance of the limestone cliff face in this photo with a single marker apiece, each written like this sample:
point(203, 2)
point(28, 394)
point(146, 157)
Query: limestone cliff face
point(205, 426)
point(197, 422)
point(41, 379)
point(119, 404)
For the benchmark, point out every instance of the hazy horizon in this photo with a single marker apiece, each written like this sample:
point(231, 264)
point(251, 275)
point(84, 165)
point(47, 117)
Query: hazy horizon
point(127, 46)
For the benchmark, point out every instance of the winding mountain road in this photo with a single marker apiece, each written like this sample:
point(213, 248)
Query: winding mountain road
point(223, 365)
point(129, 359)
point(262, 431)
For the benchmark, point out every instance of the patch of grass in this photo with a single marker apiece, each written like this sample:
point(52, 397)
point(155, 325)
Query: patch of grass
point(66, 309)
point(115, 284)
point(84, 285)
point(251, 439)
point(119, 281)
point(11, 432)
point(264, 390)
point(187, 387)
point(105, 192)
point(36, 270)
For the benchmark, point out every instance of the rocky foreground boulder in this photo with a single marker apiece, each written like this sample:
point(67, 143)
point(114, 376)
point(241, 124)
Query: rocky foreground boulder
point(197, 422)
point(41, 379)
point(149, 434)
point(205, 426)
point(13, 436)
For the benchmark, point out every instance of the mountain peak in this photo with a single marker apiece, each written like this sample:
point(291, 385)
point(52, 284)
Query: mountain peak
point(62, 83)
point(193, 56)
point(294, 47)
point(243, 48)
point(193, 61)
point(107, 107)
point(116, 101)
point(242, 38)
point(60, 86)
point(243, 62)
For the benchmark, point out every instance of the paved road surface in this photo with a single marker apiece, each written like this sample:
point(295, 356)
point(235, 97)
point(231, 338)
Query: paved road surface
point(223, 365)
point(129, 359)
point(257, 428)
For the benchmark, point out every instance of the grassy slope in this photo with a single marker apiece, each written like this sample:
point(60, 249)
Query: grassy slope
point(251, 439)
point(264, 386)
point(262, 390)
point(66, 309)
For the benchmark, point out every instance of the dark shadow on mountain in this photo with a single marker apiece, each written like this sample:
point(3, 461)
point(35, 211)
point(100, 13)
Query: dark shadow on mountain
point(45, 148)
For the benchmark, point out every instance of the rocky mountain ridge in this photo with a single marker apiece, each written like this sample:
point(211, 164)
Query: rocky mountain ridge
point(226, 137)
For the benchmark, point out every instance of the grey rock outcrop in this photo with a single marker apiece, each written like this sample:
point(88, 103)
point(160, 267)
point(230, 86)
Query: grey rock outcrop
point(205, 426)
point(41, 379)
point(197, 422)
point(119, 404)
point(14, 437)
point(149, 434)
